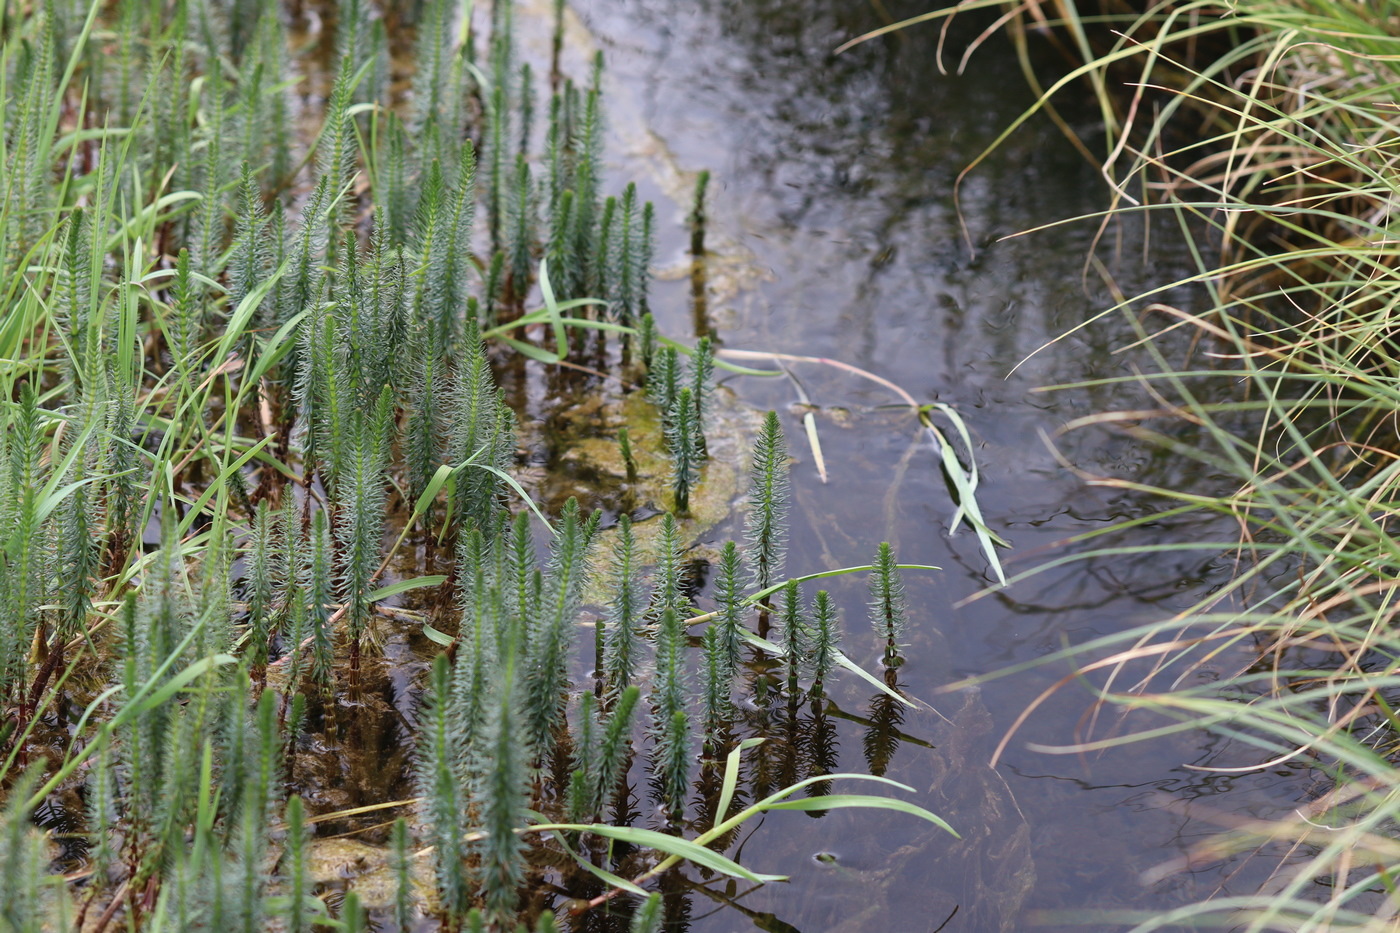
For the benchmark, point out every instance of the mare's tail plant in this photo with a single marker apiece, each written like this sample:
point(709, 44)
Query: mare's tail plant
point(295, 869)
point(702, 373)
point(686, 443)
point(664, 379)
point(602, 754)
point(441, 783)
point(625, 611)
point(547, 681)
point(483, 435)
point(826, 640)
point(401, 864)
point(887, 604)
point(260, 586)
point(361, 491)
point(733, 604)
point(795, 634)
point(501, 801)
point(216, 416)
point(670, 721)
point(766, 524)
point(668, 592)
point(716, 683)
point(24, 898)
point(317, 570)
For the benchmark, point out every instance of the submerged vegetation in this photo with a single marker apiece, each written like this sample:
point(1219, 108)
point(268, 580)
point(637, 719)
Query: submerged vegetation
point(255, 431)
point(1267, 129)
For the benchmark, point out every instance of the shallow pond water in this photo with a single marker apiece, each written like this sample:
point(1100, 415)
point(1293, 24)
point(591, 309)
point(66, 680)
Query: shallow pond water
point(835, 233)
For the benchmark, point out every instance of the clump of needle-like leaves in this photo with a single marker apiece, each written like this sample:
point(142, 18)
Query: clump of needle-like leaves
point(257, 464)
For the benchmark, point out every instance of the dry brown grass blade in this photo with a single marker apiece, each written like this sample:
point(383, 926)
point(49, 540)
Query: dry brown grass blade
point(1145, 651)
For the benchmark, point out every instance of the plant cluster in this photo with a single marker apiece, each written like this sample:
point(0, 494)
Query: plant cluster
point(1266, 129)
point(240, 360)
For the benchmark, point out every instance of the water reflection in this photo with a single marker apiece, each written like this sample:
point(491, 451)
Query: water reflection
point(833, 182)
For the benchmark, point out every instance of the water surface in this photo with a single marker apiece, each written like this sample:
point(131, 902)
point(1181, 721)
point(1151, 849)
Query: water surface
point(836, 234)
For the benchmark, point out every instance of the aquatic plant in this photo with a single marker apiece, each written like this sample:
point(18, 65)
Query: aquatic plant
point(22, 855)
point(603, 750)
point(765, 525)
point(716, 682)
point(663, 379)
point(626, 606)
point(624, 446)
point(670, 723)
point(352, 915)
point(648, 918)
point(887, 611)
point(732, 602)
point(440, 782)
point(259, 586)
point(361, 491)
point(794, 633)
point(647, 340)
point(482, 433)
point(240, 443)
point(826, 640)
point(294, 870)
point(502, 796)
point(686, 443)
point(402, 865)
point(316, 564)
point(702, 372)
point(547, 680)
point(667, 591)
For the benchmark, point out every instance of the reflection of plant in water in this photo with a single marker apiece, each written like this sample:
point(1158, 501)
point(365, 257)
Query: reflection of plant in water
point(882, 738)
point(823, 749)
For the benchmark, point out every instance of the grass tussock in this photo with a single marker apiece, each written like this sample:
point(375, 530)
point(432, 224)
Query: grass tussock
point(260, 285)
point(1267, 128)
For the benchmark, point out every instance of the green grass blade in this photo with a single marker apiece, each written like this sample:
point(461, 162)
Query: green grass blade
point(838, 801)
point(671, 845)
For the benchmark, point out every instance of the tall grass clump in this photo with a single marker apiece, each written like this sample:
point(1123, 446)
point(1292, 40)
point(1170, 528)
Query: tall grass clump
point(1266, 130)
